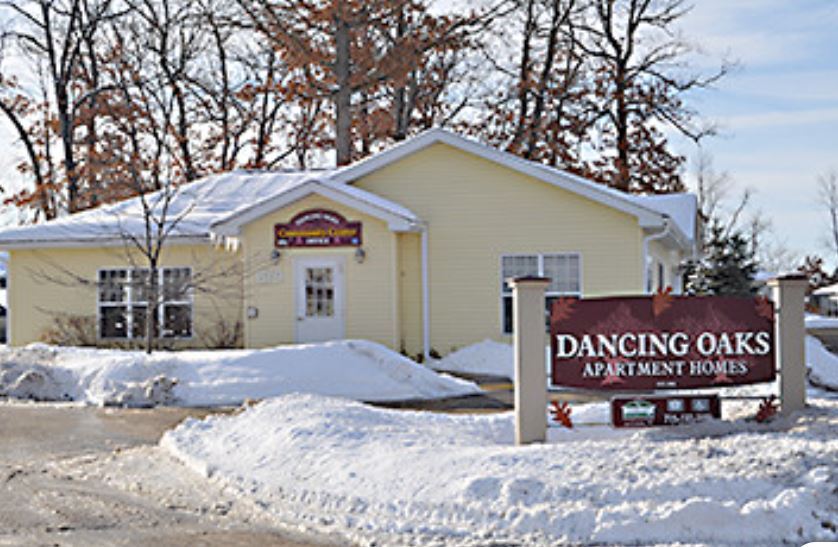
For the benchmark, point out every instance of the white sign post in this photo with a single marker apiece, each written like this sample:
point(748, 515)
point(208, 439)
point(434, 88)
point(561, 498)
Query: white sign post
point(530, 370)
point(789, 297)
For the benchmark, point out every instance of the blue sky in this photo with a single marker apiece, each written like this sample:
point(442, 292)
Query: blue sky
point(778, 113)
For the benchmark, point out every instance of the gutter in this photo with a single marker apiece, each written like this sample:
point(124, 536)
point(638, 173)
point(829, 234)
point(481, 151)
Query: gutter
point(646, 240)
point(426, 301)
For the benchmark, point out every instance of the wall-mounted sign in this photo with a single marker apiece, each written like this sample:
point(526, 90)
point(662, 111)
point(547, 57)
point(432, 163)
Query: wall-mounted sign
point(318, 228)
point(661, 342)
point(675, 410)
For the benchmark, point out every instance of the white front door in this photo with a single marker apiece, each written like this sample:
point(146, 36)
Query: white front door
point(319, 287)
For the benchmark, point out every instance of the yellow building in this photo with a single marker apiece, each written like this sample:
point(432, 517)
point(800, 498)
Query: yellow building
point(409, 248)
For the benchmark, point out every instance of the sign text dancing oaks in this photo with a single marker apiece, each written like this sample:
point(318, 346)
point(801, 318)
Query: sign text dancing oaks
point(663, 342)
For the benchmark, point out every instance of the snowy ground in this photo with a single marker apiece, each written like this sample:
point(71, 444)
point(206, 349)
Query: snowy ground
point(399, 478)
point(354, 369)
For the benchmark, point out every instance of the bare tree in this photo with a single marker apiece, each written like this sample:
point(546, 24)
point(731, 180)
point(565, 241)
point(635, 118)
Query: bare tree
point(361, 56)
point(828, 198)
point(642, 79)
point(540, 110)
point(58, 37)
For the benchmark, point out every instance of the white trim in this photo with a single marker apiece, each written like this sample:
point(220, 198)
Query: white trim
point(395, 290)
point(647, 288)
point(426, 299)
point(540, 265)
point(9, 294)
point(110, 241)
point(129, 305)
point(647, 217)
point(231, 225)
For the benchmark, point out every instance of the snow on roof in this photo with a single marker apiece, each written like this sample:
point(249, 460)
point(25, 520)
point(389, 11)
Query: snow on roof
point(681, 208)
point(218, 204)
point(200, 205)
point(828, 290)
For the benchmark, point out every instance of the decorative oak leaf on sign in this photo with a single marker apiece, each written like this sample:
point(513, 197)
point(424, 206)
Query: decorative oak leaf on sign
point(661, 301)
point(722, 378)
point(561, 414)
point(764, 307)
point(767, 409)
point(609, 379)
point(562, 309)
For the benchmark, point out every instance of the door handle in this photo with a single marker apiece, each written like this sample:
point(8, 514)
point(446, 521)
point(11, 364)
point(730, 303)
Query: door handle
point(299, 318)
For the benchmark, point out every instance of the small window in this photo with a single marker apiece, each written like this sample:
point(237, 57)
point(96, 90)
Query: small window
point(113, 286)
point(563, 270)
point(125, 296)
point(113, 322)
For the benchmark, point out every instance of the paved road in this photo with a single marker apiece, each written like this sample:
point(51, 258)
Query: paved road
point(87, 476)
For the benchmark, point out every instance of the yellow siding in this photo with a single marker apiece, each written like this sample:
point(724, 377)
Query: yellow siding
point(478, 211)
point(370, 311)
point(44, 283)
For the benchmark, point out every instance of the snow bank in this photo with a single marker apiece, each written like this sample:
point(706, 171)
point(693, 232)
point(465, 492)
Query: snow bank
point(399, 478)
point(354, 369)
point(823, 365)
point(486, 357)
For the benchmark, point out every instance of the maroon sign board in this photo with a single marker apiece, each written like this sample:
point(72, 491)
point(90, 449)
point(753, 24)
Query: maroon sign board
point(318, 228)
point(675, 410)
point(661, 342)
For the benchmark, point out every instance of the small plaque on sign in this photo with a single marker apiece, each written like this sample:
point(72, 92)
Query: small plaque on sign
point(653, 411)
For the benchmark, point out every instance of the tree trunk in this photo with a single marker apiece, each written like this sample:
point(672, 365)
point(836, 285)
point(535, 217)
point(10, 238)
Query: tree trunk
point(151, 308)
point(524, 75)
point(536, 124)
point(623, 181)
point(343, 94)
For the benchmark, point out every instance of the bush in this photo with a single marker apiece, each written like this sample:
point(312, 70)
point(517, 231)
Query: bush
point(71, 330)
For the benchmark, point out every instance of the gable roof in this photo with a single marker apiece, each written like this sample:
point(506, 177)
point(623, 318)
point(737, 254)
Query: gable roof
point(210, 207)
point(398, 218)
point(651, 212)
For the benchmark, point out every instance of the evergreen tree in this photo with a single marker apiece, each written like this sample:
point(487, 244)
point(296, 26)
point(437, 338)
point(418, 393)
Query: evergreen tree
point(727, 268)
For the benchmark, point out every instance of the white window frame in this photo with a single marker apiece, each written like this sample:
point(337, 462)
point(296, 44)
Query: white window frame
point(661, 275)
point(129, 303)
point(547, 294)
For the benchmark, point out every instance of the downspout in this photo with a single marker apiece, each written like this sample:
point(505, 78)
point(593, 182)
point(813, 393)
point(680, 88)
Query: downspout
point(646, 240)
point(426, 300)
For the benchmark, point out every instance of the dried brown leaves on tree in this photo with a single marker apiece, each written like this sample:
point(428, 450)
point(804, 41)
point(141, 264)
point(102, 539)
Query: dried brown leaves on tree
point(379, 70)
point(111, 98)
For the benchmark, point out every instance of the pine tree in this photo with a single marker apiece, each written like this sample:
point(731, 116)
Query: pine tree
point(728, 267)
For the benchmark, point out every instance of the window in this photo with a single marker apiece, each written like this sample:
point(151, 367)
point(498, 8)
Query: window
point(124, 303)
point(661, 277)
point(563, 270)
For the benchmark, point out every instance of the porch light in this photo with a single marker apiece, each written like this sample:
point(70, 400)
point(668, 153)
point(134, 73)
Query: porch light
point(360, 255)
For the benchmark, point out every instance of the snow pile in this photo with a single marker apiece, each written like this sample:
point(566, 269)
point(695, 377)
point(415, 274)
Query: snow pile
point(487, 357)
point(401, 478)
point(355, 369)
point(823, 365)
point(819, 322)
